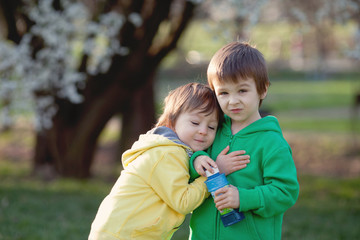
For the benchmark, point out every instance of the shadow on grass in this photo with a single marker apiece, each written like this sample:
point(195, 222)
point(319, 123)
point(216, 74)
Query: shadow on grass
point(34, 210)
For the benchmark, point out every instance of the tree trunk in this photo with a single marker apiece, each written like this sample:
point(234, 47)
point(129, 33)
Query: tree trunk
point(71, 142)
point(137, 117)
point(126, 89)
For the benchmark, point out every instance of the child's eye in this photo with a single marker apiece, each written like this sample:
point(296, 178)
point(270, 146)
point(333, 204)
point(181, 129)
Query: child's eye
point(222, 93)
point(212, 128)
point(242, 90)
point(195, 123)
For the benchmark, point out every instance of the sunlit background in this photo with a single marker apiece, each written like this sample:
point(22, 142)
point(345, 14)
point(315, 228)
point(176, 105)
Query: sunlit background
point(312, 49)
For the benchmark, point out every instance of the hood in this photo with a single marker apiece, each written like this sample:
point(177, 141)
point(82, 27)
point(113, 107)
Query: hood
point(268, 123)
point(157, 137)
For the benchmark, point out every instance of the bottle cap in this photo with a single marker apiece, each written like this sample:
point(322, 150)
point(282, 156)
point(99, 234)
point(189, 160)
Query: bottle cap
point(208, 174)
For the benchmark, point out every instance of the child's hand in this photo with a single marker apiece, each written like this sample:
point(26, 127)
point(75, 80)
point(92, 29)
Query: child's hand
point(203, 163)
point(229, 163)
point(227, 197)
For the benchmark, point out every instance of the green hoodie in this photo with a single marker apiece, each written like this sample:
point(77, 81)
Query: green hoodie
point(267, 187)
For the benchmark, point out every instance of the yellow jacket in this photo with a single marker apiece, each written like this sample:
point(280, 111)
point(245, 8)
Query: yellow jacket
point(152, 195)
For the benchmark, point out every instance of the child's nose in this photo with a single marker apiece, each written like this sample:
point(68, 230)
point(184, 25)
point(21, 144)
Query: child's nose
point(203, 130)
point(233, 99)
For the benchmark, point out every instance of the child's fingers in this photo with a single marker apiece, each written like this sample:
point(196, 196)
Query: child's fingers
point(222, 201)
point(220, 205)
point(225, 203)
point(241, 159)
point(212, 163)
point(242, 163)
point(227, 197)
point(203, 163)
point(200, 170)
point(208, 167)
point(221, 191)
point(225, 151)
point(238, 167)
point(237, 153)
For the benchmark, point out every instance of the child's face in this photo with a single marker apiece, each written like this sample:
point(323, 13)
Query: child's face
point(240, 101)
point(196, 129)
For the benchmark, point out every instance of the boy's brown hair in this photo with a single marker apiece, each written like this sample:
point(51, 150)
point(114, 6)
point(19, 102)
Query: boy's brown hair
point(238, 60)
point(186, 98)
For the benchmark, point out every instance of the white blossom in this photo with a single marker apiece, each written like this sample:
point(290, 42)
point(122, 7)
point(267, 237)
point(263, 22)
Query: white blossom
point(54, 68)
point(336, 11)
point(113, 22)
point(247, 10)
point(123, 51)
point(5, 117)
point(136, 19)
point(300, 15)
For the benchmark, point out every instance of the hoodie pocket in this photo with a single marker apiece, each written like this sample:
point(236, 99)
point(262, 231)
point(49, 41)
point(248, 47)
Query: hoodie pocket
point(151, 231)
point(160, 228)
point(262, 228)
point(251, 226)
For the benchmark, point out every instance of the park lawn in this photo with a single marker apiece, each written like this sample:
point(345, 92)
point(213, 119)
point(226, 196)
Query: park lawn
point(305, 94)
point(327, 208)
point(31, 209)
point(321, 106)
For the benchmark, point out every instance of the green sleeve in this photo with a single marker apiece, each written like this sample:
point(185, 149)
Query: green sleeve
point(279, 191)
point(193, 173)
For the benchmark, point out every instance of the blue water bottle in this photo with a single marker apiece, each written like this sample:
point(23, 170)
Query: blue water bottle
point(214, 182)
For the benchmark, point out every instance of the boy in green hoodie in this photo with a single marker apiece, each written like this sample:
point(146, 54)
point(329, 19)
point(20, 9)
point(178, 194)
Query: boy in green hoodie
point(267, 186)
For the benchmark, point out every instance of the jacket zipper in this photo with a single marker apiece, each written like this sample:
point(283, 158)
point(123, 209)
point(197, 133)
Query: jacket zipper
point(230, 141)
point(218, 220)
point(217, 226)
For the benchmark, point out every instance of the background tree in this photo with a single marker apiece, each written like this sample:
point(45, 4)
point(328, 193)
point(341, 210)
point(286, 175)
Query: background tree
point(240, 17)
point(320, 17)
point(84, 62)
point(316, 20)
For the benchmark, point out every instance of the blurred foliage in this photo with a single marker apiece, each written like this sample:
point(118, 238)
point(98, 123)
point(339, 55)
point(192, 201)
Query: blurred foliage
point(275, 40)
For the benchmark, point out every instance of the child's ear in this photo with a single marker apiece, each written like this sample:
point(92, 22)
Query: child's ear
point(263, 95)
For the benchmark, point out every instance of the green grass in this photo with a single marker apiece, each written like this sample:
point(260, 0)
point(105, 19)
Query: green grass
point(325, 106)
point(305, 94)
point(30, 209)
point(328, 208)
point(321, 125)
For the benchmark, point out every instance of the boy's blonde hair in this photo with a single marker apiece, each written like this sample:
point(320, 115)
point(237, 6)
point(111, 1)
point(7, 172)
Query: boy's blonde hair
point(238, 60)
point(187, 98)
